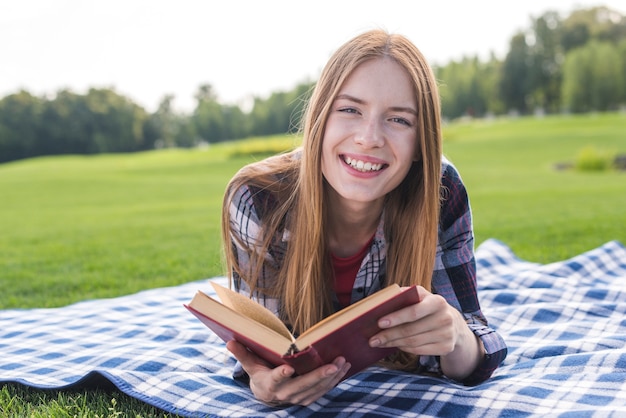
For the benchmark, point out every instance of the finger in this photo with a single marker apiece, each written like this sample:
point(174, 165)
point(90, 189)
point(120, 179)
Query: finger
point(340, 374)
point(409, 313)
point(436, 330)
point(251, 362)
point(317, 383)
point(238, 350)
point(274, 388)
point(429, 306)
point(241, 353)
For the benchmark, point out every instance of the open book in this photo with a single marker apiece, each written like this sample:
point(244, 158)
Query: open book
point(345, 333)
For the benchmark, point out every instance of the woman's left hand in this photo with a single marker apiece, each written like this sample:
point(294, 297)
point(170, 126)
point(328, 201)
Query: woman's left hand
point(432, 327)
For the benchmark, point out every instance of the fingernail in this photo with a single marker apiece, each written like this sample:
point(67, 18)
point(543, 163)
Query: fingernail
point(375, 342)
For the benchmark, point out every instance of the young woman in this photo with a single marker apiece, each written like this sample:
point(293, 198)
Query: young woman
point(366, 201)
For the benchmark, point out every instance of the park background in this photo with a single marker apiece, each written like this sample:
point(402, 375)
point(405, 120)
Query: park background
point(105, 193)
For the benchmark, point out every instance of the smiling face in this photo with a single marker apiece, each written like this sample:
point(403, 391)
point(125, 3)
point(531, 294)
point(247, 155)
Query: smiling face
point(370, 139)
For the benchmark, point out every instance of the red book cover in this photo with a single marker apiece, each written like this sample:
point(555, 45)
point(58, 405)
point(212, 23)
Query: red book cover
point(226, 333)
point(350, 339)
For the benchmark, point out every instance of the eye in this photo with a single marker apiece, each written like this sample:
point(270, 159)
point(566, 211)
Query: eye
point(401, 121)
point(347, 110)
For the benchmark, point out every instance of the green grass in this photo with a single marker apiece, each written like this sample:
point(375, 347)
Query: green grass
point(519, 197)
point(19, 401)
point(76, 227)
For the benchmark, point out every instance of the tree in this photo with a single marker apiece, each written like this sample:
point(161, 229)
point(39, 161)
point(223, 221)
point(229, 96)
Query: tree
point(577, 63)
point(235, 121)
point(20, 135)
point(594, 77)
point(514, 81)
point(167, 128)
point(116, 123)
point(163, 125)
point(67, 124)
point(281, 112)
point(207, 118)
point(621, 50)
point(546, 57)
point(215, 122)
point(100, 121)
point(462, 91)
point(608, 76)
point(489, 79)
point(574, 34)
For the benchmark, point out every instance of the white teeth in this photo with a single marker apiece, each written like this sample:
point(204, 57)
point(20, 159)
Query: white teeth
point(362, 166)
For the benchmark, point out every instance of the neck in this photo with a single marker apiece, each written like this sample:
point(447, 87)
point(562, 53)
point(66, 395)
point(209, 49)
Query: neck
point(350, 225)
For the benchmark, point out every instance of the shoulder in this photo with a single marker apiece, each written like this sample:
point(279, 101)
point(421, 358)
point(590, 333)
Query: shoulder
point(454, 197)
point(450, 176)
point(250, 201)
point(258, 187)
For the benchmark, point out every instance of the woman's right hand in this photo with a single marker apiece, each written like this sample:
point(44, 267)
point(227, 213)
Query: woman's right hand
point(276, 386)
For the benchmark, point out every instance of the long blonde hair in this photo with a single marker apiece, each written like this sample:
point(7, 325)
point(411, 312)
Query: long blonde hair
point(295, 181)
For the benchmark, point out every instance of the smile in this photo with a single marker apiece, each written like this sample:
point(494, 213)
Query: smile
point(362, 166)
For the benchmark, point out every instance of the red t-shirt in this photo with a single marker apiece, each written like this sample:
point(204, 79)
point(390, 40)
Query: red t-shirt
point(346, 269)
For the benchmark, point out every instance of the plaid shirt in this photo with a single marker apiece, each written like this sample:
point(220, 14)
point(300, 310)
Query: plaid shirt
point(454, 275)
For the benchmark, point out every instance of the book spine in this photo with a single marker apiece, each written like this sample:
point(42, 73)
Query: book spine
point(304, 361)
point(293, 349)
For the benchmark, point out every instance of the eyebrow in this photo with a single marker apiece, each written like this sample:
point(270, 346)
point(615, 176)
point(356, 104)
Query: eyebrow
point(360, 101)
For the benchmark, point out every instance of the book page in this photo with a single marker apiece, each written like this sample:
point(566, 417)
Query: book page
point(251, 309)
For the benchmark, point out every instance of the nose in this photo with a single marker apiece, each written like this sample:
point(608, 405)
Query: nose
point(370, 134)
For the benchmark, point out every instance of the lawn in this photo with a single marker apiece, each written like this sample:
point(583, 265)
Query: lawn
point(76, 227)
point(83, 227)
point(519, 197)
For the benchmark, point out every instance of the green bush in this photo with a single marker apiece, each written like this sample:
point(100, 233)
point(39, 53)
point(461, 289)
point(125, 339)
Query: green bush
point(263, 147)
point(593, 159)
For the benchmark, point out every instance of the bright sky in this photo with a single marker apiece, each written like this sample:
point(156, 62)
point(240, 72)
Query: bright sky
point(146, 49)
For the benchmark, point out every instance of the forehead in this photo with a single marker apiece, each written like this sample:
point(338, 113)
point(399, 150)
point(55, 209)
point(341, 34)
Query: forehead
point(380, 76)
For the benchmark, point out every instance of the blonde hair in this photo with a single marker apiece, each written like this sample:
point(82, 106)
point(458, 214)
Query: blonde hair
point(304, 283)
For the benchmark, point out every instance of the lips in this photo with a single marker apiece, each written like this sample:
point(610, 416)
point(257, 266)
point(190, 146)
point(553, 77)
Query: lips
point(363, 166)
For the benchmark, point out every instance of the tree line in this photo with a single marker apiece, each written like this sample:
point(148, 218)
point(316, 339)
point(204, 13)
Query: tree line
point(576, 64)
point(572, 64)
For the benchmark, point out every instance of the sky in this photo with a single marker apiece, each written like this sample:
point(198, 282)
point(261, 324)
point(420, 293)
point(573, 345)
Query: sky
point(146, 49)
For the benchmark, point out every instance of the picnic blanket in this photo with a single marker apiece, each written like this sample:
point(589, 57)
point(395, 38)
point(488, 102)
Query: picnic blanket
point(565, 324)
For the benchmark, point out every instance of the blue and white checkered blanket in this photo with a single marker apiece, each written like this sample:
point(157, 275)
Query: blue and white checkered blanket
point(565, 324)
